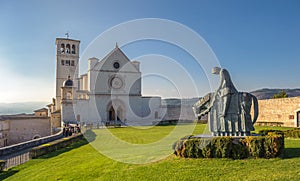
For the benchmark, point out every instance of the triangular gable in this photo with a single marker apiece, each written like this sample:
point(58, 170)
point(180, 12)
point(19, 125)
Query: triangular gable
point(116, 55)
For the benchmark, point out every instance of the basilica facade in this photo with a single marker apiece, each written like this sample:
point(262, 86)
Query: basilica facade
point(108, 94)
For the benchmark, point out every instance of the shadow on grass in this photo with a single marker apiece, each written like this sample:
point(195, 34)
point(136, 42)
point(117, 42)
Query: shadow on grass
point(77, 144)
point(292, 152)
point(8, 173)
point(88, 135)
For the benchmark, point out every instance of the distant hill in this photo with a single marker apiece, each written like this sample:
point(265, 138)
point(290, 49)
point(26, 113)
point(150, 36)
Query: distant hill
point(21, 107)
point(177, 102)
point(29, 107)
point(260, 94)
point(268, 93)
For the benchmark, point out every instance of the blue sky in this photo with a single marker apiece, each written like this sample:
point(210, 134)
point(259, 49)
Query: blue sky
point(257, 41)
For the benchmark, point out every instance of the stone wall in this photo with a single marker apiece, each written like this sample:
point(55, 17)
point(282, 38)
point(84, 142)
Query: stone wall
point(25, 129)
point(179, 112)
point(20, 153)
point(283, 110)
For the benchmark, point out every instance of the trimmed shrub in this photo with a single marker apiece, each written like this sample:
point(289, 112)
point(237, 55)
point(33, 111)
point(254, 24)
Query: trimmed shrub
point(265, 132)
point(292, 133)
point(269, 146)
point(255, 145)
point(295, 133)
point(2, 164)
point(53, 146)
point(239, 151)
point(222, 146)
point(273, 145)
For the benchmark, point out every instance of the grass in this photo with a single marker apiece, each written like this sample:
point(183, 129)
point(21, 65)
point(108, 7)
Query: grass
point(82, 162)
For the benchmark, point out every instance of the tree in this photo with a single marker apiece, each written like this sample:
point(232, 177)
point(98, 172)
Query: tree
point(281, 94)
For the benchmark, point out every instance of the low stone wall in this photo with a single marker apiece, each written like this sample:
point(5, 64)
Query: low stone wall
point(54, 145)
point(22, 156)
point(179, 112)
point(282, 111)
point(28, 144)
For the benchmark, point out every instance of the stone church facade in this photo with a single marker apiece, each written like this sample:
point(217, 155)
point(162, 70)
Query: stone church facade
point(109, 93)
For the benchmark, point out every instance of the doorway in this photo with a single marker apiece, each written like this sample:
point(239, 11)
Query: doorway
point(114, 115)
point(298, 119)
point(111, 114)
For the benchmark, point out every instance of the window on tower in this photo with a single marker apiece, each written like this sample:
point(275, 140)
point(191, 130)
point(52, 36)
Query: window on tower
point(68, 62)
point(62, 62)
point(68, 48)
point(73, 49)
point(62, 48)
point(72, 63)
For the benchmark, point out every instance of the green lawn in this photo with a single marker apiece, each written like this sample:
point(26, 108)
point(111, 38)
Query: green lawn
point(82, 162)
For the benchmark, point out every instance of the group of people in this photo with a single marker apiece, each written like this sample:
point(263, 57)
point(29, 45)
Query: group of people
point(68, 129)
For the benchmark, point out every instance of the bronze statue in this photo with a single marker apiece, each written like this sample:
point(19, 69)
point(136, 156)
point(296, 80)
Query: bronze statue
point(228, 110)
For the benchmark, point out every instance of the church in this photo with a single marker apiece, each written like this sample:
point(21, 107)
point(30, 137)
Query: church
point(108, 94)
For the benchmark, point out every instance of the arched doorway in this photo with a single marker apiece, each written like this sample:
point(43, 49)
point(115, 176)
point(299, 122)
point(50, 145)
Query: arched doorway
point(36, 136)
point(298, 119)
point(115, 115)
point(119, 113)
point(111, 114)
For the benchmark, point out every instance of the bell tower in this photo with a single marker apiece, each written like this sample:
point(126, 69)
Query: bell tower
point(67, 59)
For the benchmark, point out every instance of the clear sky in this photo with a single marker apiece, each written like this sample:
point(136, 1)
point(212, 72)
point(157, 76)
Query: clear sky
point(257, 41)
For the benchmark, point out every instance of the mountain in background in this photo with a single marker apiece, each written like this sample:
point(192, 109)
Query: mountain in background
point(21, 107)
point(260, 94)
point(269, 93)
point(177, 101)
point(29, 107)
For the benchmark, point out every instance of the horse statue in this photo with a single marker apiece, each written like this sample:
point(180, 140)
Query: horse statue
point(229, 111)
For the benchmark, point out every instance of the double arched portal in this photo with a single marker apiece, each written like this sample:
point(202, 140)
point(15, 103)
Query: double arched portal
point(115, 115)
point(115, 112)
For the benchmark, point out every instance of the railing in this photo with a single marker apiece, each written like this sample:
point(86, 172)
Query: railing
point(19, 153)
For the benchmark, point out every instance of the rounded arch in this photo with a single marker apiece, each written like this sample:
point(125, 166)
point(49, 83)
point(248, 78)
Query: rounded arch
point(36, 136)
point(73, 49)
point(68, 48)
point(62, 48)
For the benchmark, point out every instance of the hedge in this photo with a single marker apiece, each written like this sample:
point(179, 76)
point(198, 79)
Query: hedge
point(54, 145)
point(294, 133)
point(2, 164)
point(269, 146)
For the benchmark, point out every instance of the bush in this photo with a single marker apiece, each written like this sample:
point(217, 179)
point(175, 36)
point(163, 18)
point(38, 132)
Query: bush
point(239, 151)
point(222, 147)
point(269, 146)
point(273, 145)
point(53, 146)
point(295, 133)
point(265, 132)
point(255, 145)
point(2, 164)
point(292, 133)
